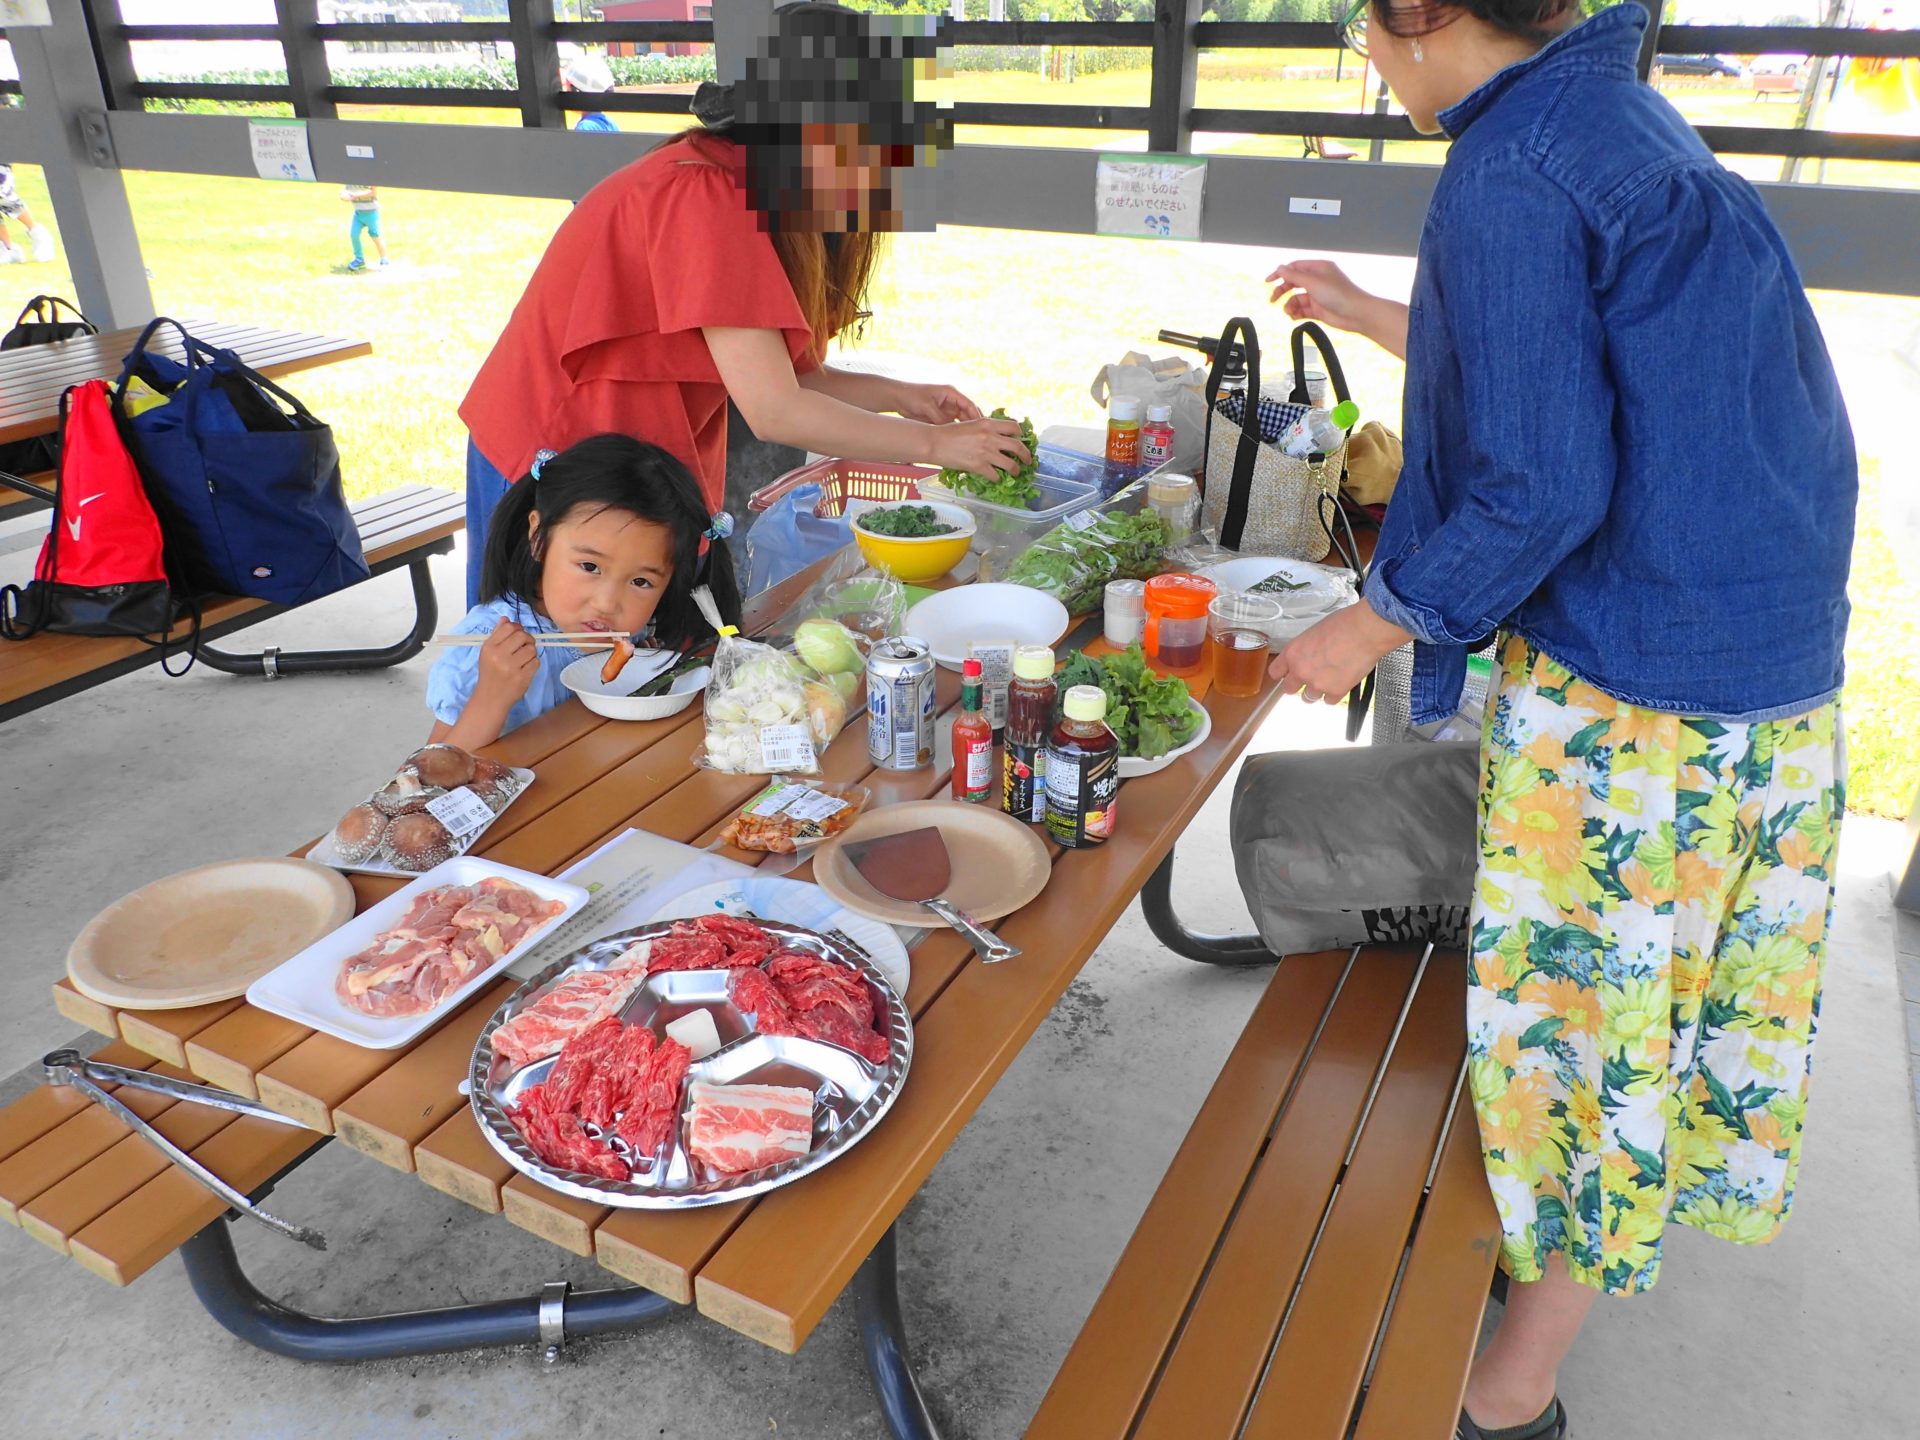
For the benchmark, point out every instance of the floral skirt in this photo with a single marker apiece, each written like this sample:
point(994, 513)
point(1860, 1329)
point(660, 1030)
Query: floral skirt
point(1649, 929)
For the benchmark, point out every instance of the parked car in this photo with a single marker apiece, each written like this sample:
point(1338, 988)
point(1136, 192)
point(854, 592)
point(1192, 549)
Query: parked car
point(1777, 64)
point(1700, 65)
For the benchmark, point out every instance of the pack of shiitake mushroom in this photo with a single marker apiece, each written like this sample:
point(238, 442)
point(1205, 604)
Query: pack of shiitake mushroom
point(393, 826)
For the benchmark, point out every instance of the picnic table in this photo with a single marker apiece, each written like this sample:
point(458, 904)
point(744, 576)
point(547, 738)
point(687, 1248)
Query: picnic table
point(770, 1267)
point(32, 379)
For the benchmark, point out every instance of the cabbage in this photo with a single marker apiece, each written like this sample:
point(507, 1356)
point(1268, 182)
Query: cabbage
point(828, 648)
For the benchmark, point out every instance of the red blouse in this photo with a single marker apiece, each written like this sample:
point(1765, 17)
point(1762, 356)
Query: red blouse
point(607, 336)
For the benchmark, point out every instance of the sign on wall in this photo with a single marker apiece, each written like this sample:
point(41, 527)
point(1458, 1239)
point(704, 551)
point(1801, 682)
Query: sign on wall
point(1150, 197)
point(280, 149)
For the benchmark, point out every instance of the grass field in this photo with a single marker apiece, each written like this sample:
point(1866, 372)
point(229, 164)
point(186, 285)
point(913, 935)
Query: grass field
point(1020, 319)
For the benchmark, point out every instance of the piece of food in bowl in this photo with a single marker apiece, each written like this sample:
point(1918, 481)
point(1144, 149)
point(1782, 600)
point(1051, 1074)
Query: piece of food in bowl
point(906, 522)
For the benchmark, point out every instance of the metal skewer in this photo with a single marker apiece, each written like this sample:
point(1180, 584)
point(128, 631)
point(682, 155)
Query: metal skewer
point(70, 1067)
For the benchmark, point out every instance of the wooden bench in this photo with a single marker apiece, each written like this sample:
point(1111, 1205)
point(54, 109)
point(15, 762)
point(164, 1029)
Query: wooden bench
point(1765, 85)
point(401, 528)
point(1316, 1261)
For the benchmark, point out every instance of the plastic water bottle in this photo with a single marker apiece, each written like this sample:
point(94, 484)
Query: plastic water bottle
point(1320, 432)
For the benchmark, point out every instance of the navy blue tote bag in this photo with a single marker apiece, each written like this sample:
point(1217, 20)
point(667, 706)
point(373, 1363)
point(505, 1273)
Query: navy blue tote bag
point(245, 480)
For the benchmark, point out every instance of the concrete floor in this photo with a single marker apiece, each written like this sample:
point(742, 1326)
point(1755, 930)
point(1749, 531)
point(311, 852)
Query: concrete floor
point(147, 775)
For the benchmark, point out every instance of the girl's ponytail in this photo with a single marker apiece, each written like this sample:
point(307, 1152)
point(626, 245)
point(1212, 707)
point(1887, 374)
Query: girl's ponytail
point(509, 566)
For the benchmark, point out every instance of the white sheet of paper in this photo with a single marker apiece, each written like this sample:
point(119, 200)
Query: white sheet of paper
point(630, 877)
point(1150, 197)
point(280, 150)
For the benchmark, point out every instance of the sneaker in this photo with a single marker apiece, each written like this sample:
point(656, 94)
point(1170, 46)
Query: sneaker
point(354, 266)
point(15, 255)
point(42, 240)
point(383, 262)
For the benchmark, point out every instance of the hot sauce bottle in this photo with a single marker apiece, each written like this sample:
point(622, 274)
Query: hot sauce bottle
point(972, 741)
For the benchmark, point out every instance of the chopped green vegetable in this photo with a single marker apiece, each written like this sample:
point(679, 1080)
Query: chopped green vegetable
point(1149, 714)
point(906, 522)
point(1074, 564)
point(1017, 491)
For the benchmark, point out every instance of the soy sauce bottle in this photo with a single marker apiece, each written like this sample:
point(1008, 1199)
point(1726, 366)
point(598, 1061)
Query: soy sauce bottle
point(1083, 772)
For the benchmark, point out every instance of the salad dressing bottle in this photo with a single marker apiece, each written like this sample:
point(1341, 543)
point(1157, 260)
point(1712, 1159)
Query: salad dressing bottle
point(1083, 772)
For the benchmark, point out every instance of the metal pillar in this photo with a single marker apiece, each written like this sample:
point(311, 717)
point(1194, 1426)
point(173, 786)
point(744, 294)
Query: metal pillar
point(66, 108)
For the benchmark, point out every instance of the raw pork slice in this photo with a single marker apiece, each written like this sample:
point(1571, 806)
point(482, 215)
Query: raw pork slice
point(736, 1128)
point(577, 1003)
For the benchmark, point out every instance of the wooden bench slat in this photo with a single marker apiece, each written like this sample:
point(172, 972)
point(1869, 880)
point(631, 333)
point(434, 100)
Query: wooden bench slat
point(63, 1209)
point(457, 1160)
point(84, 1009)
point(163, 1034)
point(155, 1220)
point(1314, 1376)
point(561, 1219)
point(236, 1047)
point(1105, 1378)
point(41, 1164)
point(409, 1099)
point(1420, 1375)
point(1211, 1375)
point(314, 1076)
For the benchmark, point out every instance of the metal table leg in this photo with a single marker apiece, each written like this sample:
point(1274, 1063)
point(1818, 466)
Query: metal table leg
point(547, 1319)
point(1156, 903)
point(272, 663)
point(876, 1295)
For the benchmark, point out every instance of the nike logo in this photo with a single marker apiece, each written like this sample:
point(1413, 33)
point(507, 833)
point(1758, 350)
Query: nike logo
point(73, 525)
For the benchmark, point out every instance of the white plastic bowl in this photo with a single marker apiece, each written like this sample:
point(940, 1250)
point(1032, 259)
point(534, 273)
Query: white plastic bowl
point(617, 701)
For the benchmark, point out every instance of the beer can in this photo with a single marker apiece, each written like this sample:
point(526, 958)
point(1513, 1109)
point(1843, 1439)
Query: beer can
point(900, 704)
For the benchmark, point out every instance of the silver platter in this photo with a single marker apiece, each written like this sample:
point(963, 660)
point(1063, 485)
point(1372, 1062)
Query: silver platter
point(850, 1093)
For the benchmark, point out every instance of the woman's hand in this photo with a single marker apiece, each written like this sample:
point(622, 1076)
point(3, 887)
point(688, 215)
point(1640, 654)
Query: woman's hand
point(933, 404)
point(1328, 659)
point(980, 447)
point(1320, 290)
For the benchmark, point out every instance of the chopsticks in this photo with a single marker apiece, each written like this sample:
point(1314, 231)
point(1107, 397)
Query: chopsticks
point(548, 640)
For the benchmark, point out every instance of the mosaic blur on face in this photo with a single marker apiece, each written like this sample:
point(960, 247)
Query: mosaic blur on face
point(846, 178)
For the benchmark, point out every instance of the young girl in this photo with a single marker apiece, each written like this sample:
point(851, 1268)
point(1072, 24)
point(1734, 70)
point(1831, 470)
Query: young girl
point(609, 535)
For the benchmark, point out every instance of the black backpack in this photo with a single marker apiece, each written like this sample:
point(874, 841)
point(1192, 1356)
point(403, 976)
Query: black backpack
point(40, 324)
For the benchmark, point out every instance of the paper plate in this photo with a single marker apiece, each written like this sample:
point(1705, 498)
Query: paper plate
point(206, 934)
point(953, 621)
point(795, 902)
point(999, 863)
point(1132, 767)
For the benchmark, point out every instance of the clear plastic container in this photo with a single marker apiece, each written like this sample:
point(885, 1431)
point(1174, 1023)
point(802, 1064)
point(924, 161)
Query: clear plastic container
point(1001, 532)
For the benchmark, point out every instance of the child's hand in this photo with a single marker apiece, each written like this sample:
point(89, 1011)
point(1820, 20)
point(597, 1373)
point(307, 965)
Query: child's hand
point(508, 662)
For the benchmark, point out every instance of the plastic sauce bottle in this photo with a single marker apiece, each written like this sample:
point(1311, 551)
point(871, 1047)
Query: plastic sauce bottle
point(1083, 772)
point(1023, 774)
point(972, 740)
point(1156, 436)
point(1123, 431)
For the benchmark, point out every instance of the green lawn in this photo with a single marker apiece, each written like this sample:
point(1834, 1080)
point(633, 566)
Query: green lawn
point(1021, 319)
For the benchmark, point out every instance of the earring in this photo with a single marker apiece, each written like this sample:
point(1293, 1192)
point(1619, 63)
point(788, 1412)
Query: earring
point(1419, 55)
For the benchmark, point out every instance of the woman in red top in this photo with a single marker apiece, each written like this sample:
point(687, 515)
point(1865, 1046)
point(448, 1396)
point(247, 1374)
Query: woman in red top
point(720, 265)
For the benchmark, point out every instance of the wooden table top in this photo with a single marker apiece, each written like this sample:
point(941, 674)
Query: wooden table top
point(770, 1267)
point(32, 379)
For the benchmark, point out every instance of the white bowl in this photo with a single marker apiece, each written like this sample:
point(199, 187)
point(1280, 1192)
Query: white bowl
point(617, 701)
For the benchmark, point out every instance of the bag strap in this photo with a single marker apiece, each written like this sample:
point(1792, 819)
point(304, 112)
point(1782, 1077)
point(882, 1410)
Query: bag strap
point(1302, 333)
point(1247, 454)
point(51, 313)
point(197, 352)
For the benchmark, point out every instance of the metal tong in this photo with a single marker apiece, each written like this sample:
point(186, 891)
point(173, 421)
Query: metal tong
point(70, 1067)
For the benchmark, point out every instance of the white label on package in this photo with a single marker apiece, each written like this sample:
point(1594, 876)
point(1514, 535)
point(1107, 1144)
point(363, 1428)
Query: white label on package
point(1083, 520)
point(1305, 205)
point(280, 149)
point(996, 673)
point(815, 806)
point(461, 811)
point(786, 747)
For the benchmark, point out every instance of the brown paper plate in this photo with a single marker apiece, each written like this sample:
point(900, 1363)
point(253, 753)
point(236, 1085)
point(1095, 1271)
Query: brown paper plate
point(206, 934)
point(999, 864)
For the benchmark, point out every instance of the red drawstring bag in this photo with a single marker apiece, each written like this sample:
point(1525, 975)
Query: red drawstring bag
point(102, 569)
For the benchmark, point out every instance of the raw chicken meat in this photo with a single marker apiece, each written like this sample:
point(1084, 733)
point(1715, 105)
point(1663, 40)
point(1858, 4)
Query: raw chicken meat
point(736, 1128)
point(577, 1003)
point(445, 938)
point(811, 1005)
point(711, 942)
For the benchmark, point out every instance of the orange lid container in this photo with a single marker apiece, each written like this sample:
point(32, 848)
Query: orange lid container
point(1179, 596)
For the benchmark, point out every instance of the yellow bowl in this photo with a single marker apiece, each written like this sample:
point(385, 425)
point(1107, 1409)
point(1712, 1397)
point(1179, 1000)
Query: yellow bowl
point(913, 560)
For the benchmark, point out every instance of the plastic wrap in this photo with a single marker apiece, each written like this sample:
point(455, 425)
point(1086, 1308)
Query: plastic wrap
point(1074, 562)
point(774, 711)
point(791, 815)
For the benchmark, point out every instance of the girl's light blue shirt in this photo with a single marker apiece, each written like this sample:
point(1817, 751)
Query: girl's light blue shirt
point(451, 682)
